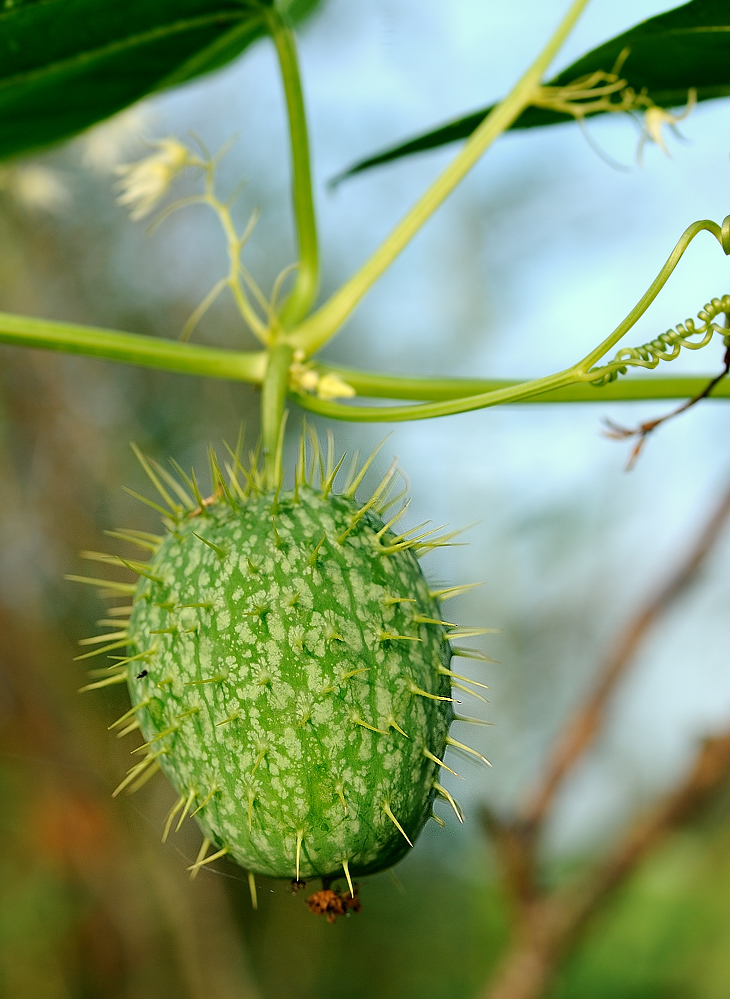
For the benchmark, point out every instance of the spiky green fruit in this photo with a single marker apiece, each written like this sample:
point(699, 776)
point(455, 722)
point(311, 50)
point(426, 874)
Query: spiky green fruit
point(293, 681)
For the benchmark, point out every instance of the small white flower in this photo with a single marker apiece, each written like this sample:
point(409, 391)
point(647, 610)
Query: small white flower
point(143, 183)
point(36, 187)
point(308, 381)
point(655, 118)
point(331, 386)
point(304, 378)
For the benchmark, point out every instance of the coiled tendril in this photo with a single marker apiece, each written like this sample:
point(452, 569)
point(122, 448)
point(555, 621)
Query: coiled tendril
point(668, 346)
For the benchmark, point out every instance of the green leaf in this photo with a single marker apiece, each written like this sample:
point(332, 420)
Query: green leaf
point(688, 47)
point(67, 64)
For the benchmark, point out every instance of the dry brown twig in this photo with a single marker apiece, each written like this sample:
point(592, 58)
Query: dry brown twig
point(618, 433)
point(548, 923)
point(581, 730)
point(552, 922)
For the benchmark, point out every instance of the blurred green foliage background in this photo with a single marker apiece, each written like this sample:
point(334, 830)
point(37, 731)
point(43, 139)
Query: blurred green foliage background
point(537, 254)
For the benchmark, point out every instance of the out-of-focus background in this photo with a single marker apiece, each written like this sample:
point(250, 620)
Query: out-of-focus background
point(538, 255)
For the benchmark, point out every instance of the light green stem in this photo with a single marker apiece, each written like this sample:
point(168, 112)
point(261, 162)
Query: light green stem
point(171, 355)
point(131, 348)
point(381, 386)
point(306, 281)
point(324, 323)
point(273, 401)
point(428, 410)
point(721, 234)
point(236, 270)
point(449, 396)
point(543, 390)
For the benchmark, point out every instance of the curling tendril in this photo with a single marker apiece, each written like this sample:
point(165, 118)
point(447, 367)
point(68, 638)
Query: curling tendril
point(668, 346)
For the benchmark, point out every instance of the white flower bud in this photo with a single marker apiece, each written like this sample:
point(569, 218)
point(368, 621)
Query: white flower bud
point(143, 183)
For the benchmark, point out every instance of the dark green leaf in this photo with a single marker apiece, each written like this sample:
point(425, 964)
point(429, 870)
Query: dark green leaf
point(688, 47)
point(66, 64)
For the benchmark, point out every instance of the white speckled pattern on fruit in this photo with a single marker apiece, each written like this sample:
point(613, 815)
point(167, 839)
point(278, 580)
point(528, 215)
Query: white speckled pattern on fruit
point(273, 666)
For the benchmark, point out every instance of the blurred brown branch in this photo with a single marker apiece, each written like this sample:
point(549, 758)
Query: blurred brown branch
point(548, 923)
point(581, 730)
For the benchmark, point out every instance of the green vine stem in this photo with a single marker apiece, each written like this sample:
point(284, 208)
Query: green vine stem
point(273, 402)
point(133, 348)
point(273, 367)
point(721, 234)
point(382, 386)
point(315, 331)
point(306, 281)
point(428, 410)
point(581, 372)
point(210, 362)
point(631, 390)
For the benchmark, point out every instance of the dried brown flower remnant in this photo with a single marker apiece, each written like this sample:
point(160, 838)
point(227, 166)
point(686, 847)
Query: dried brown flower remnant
point(332, 904)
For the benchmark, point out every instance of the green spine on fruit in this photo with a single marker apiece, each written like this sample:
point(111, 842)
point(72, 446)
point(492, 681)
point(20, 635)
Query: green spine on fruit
point(289, 660)
point(289, 670)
